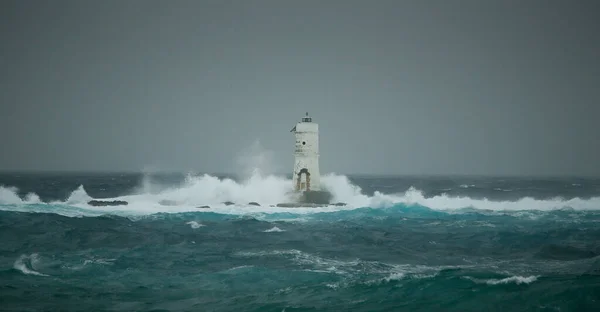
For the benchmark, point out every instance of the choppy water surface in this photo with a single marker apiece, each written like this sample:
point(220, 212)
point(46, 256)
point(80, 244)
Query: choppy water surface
point(401, 244)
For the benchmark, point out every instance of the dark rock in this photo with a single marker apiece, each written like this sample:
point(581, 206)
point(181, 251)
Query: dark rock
point(253, 204)
point(107, 203)
point(203, 207)
point(228, 203)
point(339, 204)
point(316, 197)
point(287, 205)
point(299, 205)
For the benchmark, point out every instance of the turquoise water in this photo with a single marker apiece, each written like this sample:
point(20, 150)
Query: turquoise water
point(398, 256)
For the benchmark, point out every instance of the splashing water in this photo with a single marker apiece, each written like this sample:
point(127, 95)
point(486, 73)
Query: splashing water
point(268, 191)
point(415, 248)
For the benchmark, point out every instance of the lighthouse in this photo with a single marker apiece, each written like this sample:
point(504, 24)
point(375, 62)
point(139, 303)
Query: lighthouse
point(306, 176)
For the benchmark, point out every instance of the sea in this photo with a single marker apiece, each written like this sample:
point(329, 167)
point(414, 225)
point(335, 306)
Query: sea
point(401, 243)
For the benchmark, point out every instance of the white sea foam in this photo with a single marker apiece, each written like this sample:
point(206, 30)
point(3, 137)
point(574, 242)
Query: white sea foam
point(9, 196)
point(352, 270)
point(194, 224)
point(258, 184)
point(274, 229)
point(27, 263)
point(508, 280)
point(268, 191)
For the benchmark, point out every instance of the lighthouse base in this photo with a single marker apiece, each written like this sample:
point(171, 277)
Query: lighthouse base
point(315, 197)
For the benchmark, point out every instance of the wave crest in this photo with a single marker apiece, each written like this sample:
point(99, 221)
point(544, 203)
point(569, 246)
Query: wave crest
point(507, 280)
point(26, 264)
point(269, 190)
point(10, 196)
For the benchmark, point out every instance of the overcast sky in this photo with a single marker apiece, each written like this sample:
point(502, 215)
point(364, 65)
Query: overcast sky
point(397, 87)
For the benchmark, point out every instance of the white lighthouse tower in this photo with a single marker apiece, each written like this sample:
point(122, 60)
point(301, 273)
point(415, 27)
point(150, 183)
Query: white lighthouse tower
point(306, 175)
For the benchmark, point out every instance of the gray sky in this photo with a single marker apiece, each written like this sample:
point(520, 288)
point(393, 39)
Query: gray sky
point(397, 87)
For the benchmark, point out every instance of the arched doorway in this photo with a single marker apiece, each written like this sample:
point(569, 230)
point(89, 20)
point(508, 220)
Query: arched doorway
point(301, 185)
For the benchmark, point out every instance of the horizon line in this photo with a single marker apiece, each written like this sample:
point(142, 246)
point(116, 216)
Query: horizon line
point(355, 174)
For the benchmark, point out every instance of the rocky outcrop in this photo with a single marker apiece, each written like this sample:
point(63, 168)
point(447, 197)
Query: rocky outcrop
point(96, 202)
point(299, 205)
point(228, 203)
point(316, 197)
point(307, 205)
point(203, 207)
point(253, 204)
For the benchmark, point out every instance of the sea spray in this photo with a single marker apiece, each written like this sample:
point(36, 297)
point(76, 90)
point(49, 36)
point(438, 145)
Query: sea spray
point(394, 247)
point(201, 190)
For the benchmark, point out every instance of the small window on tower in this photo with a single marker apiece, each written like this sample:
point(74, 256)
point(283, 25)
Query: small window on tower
point(303, 143)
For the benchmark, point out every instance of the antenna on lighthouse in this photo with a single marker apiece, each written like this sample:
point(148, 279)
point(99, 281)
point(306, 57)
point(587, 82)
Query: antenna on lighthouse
point(308, 119)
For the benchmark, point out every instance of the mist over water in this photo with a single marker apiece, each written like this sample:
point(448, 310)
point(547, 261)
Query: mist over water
point(151, 196)
point(400, 243)
point(256, 181)
point(94, 85)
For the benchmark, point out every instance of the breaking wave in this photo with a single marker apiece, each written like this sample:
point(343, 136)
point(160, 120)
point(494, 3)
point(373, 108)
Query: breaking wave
point(274, 229)
point(512, 279)
point(26, 264)
point(268, 191)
